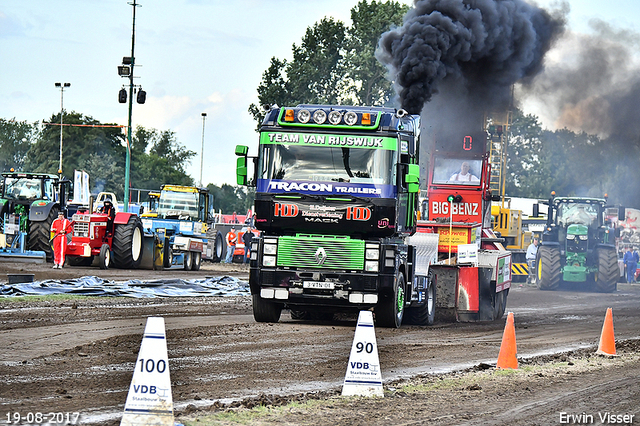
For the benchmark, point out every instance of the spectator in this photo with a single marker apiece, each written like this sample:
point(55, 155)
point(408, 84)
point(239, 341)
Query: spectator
point(532, 252)
point(59, 230)
point(232, 240)
point(246, 239)
point(630, 260)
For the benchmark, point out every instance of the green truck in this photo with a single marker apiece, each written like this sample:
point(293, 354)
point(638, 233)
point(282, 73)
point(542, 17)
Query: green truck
point(336, 201)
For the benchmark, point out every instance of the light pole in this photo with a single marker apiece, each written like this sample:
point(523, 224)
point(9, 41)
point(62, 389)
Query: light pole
point(128, 158)
point(62, 86)
point(204, 116)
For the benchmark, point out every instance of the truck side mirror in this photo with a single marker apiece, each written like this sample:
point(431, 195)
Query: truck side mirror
point(536, 210)
point(241, 171)
point(241, 164)
point(412, 178)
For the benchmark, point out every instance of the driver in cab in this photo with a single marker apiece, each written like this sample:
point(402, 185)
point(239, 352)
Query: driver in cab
point(464, 175)
point(110, 211)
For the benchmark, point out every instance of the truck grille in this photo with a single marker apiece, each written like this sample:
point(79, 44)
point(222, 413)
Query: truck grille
point(320, 253)
point(81, 229)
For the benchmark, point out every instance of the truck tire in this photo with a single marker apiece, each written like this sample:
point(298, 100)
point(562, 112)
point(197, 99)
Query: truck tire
point(105, 256)
point(167, 256)
point(390, 309)
point(264, 310)
point(196, 261)
point(500, 304)
point(188, 258)
point(548, 268)
point(217, 243)
point(127, 244)
point(425, 314)
point(40, 234)
point(607, 276)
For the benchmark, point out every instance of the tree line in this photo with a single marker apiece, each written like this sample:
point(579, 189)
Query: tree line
point(156, 156)
point(570, 163)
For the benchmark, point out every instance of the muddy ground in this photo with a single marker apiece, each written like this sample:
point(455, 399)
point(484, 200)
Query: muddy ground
point(77, 355)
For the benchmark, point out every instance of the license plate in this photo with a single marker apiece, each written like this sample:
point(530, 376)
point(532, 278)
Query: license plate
point(319, 285)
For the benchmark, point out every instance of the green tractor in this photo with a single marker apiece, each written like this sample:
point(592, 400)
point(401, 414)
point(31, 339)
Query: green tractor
point(577, 245)
point(33, 200)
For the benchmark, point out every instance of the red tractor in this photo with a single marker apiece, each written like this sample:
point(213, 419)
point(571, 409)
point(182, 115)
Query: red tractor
point(117, 244)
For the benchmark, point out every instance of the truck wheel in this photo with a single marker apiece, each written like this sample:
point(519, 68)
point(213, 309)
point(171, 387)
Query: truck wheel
point(390, 308)
point(168, 256)
point(548, 268)
point(217, 243)
point(265, 311)
point(500, 304)
point(188, 258)
point(425, 314)
point(105, 256)
point(127, 244)
point(607, 276)
point(196, 261)
point(40, 232)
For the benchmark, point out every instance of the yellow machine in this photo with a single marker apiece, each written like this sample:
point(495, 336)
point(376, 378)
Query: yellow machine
point(506, 221)
point(152, 210)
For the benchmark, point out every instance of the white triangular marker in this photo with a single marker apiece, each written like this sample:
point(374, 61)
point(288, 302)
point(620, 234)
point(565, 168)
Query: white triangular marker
point(149, 401)
point(363, 376)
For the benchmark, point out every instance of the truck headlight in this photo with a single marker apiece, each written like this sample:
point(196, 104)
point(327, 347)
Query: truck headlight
point(271, 249)
point(583, 237)
point(371, 266)
point(372, 251)
point(371, 254)
point(269, 261)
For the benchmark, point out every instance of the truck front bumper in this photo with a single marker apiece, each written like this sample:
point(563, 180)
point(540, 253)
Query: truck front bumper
point(320, 288)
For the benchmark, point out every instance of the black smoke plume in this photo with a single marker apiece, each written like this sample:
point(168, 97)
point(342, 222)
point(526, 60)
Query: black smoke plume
point(473, 49)
point(595, 86)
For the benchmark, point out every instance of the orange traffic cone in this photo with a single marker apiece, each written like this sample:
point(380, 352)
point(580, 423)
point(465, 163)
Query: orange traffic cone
point(507, 356)
point(607, 344)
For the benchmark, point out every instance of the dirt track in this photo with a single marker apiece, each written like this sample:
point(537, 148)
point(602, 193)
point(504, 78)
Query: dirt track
point(77, 355)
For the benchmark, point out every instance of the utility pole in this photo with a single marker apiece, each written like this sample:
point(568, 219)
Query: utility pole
point(204, 116)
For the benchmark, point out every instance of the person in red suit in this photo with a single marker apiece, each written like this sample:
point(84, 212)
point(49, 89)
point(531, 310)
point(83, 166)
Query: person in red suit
point(59, 230)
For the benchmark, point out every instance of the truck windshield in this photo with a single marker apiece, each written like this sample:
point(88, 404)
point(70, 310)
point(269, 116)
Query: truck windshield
point(22, 188)
point(178, 205)
point(327, 164)
point(456, 171)
point(578, 213)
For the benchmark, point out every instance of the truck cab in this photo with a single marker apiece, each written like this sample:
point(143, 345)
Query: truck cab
point(473, 269)
point(179, 221)
point(336, 195)
point(577, 245)
point(33, 200)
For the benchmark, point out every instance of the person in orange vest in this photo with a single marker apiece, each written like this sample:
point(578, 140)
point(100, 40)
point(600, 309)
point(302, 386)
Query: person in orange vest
point(232, 240)
point(59, 230)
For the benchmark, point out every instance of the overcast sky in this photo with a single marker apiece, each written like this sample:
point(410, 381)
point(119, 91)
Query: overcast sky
point(192, 56)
